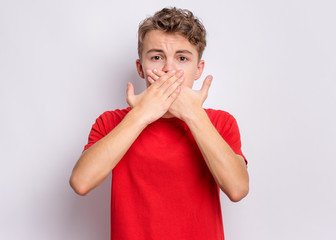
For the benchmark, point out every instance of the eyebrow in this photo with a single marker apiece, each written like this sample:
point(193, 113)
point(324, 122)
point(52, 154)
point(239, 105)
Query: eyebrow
point(161, 51)
point(184, 51)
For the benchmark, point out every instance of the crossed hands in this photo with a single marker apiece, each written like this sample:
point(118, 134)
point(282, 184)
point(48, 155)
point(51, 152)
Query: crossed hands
point(167, 94)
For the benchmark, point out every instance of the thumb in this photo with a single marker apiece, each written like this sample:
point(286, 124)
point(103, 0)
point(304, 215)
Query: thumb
point(130, 94)
point(130, 89)
point(206, 85)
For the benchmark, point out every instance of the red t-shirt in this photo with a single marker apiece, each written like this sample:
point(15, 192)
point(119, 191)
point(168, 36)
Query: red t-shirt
point(162, 187)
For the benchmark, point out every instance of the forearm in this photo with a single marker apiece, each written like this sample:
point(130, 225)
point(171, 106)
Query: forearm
point(228, 169)
point(97, 162)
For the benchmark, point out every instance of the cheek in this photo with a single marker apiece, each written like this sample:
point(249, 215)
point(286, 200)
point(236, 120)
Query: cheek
point(188, 79)
point(152, 65)
point(189, 75)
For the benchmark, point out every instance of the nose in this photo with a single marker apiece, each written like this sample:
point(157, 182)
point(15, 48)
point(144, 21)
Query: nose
point(168, 66)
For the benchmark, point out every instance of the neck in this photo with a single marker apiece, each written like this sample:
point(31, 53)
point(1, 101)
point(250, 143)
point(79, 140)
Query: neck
point(168, 115)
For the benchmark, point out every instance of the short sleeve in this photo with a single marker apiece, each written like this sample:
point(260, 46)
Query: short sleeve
point(227, 127)
point(105, 124)
point(97, 132)
point(232, 137)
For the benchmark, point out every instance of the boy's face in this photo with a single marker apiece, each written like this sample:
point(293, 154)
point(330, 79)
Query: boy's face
point(169, 51)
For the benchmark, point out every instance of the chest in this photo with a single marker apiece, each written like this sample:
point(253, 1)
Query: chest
point(164, 153)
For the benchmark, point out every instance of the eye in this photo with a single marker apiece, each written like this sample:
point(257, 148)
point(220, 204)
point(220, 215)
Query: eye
point(156, 58)
point(182, 59)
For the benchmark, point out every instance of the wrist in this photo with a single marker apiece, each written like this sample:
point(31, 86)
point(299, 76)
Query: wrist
point(138, 117)
point(196, 116)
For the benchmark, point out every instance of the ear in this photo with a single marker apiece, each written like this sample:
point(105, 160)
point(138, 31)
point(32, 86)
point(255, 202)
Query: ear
point(139, 68)
point(199, 69)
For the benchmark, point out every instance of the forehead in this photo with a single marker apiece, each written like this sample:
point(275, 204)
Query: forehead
point(156, 39)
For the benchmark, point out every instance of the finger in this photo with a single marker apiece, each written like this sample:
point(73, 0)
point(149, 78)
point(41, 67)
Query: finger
point(158, 72)
point(130, 89)
point(151, 80)
point(153, 75)
point(174, 86)
point(130, 94)
point(174, 95)
point(166, 80)
point(171, 83)
point(157, 75)
point(206, 85)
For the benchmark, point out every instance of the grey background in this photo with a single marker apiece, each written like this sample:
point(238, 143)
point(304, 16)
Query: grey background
point(63, 63)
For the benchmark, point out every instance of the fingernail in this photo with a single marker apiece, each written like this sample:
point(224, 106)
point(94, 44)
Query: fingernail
point(173, 71)
point(180, 71)
point(154, 70)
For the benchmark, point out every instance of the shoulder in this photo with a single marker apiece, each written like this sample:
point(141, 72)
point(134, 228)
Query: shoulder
point(227, 127)
point(115, 114)
point(223, 121)
point(219, 116)
point(109, 119)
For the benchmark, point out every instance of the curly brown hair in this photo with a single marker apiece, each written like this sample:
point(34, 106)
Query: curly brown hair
point(174, 20)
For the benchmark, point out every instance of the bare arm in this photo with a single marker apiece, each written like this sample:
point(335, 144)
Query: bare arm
point(228, 169)
point(97, 162)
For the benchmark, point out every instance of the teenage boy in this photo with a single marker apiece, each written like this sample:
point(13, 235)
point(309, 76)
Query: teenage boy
point(168, 156)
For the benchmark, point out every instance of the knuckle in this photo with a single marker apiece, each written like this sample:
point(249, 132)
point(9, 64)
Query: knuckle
point(156, 94)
